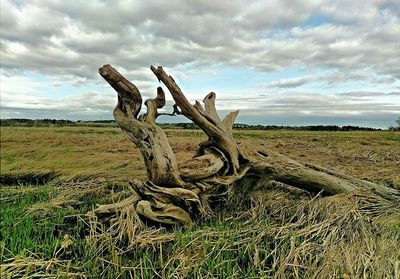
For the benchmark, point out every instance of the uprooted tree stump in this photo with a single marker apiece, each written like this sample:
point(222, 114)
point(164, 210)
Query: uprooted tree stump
point(173, 195)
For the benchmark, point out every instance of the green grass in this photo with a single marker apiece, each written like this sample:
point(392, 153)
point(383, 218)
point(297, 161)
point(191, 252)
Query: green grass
point(26, 233)
point(392, 136)
point(41, 234)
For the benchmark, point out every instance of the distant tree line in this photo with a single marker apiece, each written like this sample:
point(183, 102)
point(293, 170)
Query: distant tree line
point(105, 123)
point(397, 126)
point(36, 122)
point(97, 121)
point(278, 127)
point(52, 122)
point(304, 128)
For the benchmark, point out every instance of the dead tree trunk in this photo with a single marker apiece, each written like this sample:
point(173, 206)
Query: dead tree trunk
point(175, 196)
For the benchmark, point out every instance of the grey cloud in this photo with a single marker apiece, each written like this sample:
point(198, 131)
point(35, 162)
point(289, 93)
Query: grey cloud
point(343, 11)
point(364, 94)
point(291, 82)
point(392, 6)
point(73, 37)
point(330, 78)
point(263, 15)
point(34, 26)
point(86, 101)
point(318, 105)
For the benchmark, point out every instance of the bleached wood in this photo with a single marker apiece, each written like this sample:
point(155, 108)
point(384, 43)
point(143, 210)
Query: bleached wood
point(174, 195)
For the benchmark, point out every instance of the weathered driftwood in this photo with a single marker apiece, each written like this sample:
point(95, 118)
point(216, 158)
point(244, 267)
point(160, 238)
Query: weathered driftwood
point(173, 195)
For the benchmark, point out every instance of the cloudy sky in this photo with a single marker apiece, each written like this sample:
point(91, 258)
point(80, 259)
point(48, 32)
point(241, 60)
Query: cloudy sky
point(279, 61)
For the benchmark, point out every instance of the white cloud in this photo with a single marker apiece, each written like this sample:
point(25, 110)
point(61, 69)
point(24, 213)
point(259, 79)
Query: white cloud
point(343, 41)
point(332, 78)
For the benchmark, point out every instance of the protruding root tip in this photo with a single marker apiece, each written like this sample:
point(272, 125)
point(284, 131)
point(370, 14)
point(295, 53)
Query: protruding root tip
point(156, 71)
point(103, 70)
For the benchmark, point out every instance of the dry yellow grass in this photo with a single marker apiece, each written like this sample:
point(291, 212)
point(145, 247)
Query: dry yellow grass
point(106, 152)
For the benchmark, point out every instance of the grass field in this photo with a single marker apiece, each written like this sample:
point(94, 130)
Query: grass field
point(51, 177)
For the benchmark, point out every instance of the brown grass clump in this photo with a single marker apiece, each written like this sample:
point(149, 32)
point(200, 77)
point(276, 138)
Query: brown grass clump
point(278, 233)
point(73, 192)
point(34, 267)
point(355, 235)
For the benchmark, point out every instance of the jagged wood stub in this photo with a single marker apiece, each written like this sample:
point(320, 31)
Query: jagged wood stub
point(175, 195)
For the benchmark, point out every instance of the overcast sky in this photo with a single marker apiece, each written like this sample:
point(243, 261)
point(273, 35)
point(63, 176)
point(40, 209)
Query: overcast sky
point(278, 61)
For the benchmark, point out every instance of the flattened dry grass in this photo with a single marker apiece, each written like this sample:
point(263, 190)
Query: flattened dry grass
point(106, 152)
point(34, 267)
point(373, 156)
point(71, 152)
point(344, 235)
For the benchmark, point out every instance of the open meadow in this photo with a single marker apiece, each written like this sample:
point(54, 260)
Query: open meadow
point(51, 177)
